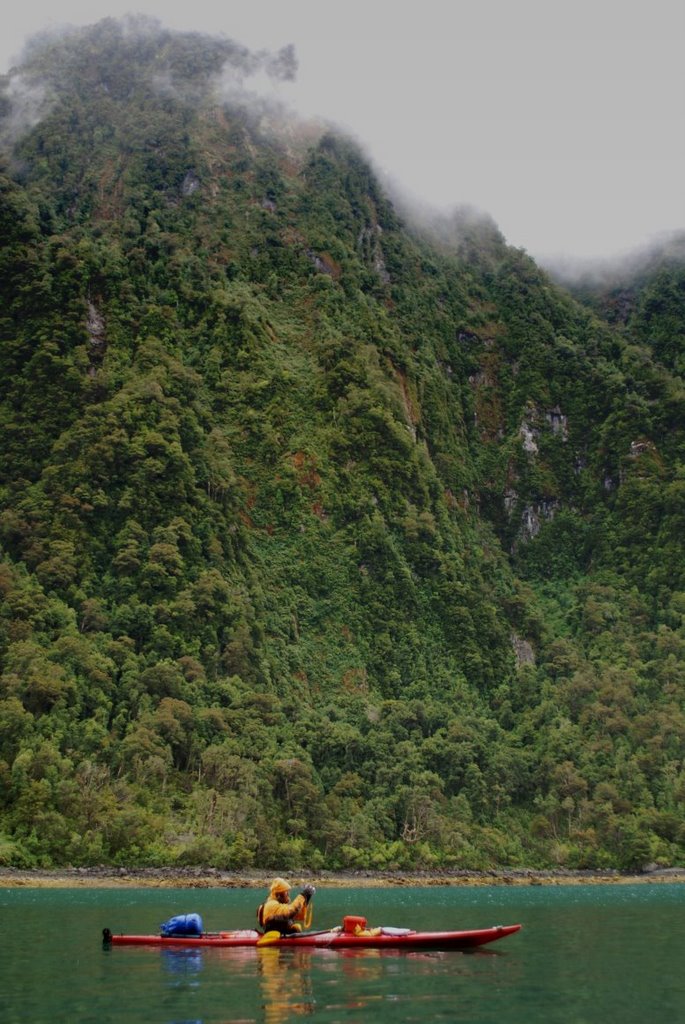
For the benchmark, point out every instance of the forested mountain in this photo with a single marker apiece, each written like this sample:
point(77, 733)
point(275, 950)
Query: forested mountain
point(327, 540)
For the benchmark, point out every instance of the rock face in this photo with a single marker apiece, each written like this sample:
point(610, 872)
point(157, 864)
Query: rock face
point(525, 655)
point(533, 515)
point(528, 438)
point(558, 422)
point(531, 427)
point(97, 341)
point(190, 185)
point(369, 246)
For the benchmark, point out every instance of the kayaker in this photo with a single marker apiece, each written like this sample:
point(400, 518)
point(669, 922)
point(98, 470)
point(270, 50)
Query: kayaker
point(278, 914)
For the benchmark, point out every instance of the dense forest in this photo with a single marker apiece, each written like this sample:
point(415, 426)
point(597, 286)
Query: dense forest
point(328, 539)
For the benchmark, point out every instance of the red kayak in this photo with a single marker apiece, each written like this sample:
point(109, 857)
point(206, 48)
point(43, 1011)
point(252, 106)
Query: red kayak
point(336, 938)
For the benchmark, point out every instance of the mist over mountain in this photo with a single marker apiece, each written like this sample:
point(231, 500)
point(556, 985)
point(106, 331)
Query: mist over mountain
point(327, 539)
point(643, 294)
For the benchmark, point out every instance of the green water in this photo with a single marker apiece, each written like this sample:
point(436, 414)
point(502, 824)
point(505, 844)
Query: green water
point(586, 955)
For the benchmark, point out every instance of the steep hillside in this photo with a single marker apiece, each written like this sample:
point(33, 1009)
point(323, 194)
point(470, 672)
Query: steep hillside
point(326, 540)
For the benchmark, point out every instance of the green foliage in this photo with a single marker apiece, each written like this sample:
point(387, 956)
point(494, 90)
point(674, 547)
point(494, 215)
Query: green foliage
point(324, 540)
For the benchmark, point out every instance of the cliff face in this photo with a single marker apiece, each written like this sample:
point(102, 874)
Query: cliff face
point(325, 539)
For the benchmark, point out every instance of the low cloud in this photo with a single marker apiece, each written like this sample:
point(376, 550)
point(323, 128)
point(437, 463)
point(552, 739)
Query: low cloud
point(663, 249)
point(24, 104)
point(191, 67)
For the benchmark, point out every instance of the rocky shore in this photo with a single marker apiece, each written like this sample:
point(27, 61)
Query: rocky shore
point(206, 878)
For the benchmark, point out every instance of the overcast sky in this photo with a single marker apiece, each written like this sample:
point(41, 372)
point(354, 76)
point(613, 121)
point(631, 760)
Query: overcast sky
point(565, 121)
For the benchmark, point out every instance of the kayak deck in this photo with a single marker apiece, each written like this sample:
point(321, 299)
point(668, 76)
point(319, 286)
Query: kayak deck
point(390, 938)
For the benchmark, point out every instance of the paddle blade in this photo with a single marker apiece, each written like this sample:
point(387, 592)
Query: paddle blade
point(268, 938)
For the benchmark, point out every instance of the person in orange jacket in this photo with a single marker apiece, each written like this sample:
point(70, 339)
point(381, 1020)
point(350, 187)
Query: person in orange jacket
point(278, 914)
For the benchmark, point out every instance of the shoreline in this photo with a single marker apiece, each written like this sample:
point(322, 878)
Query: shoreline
point(213, 878)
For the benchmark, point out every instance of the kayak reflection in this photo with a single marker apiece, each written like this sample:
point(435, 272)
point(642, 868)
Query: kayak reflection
point(183, 965)
point(287, 978)
point(286, 984)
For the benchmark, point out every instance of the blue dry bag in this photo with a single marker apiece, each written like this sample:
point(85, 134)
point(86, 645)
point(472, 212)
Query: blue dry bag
point(184, 925)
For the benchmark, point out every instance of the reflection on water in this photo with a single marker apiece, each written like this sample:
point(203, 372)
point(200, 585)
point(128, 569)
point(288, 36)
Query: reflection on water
point(297, 982)
point(286, 980)
point(334, 984)
point(183, 965)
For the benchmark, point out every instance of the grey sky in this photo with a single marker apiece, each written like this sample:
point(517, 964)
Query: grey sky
point(564, 121)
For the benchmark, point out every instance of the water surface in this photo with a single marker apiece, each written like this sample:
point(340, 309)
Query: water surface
point(586, 955)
